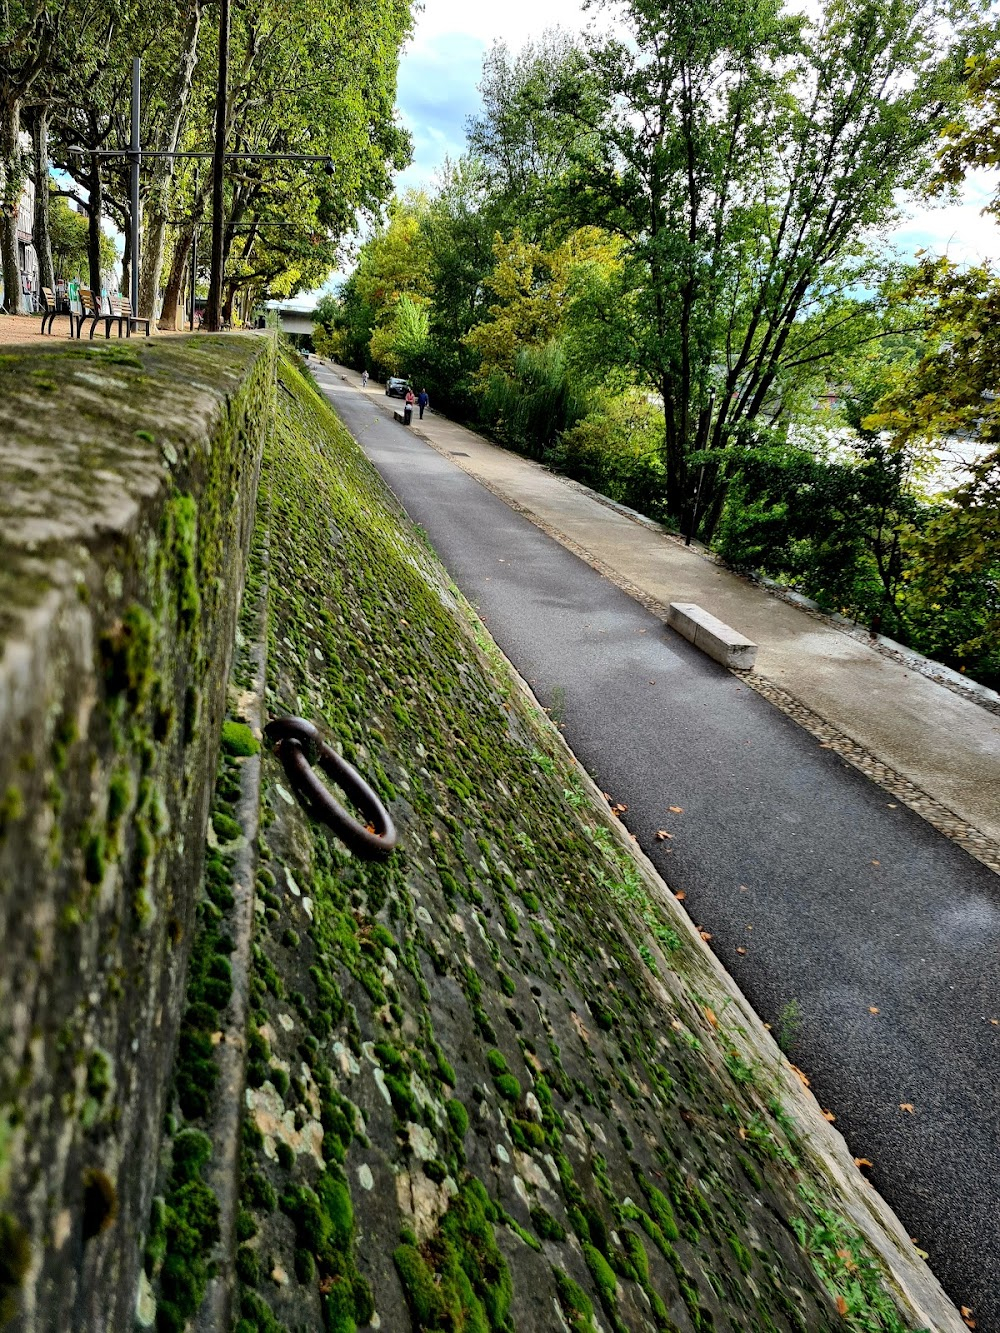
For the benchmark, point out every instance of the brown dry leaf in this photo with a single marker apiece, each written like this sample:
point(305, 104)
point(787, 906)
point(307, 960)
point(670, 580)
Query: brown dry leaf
point(970, 1322)
point(606, 795)
point(906, 1106)
point(876, 863)
point(995, 1022)
point(706, 935)
point(873, 1009)
point(740, 949)
point(841, 1306)
point(676, 809)
point(619, 809)
point(680, 895)
point(828, 1115)
point(710, 1015)
point(966, 1311)
point(799, 1075)
point(662, 833)
point(862, 1161)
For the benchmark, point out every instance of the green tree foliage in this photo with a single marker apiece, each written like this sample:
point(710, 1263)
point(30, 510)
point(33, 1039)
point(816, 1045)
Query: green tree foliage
point(307, 79)
point(69, 235)
point(742, 154)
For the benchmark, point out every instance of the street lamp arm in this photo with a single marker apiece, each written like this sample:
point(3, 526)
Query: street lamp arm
point(143, 153)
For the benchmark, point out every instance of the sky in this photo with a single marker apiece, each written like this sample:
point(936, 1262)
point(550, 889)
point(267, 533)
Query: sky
point(437, 92)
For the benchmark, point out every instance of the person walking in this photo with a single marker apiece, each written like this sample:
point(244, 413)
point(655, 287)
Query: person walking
point(408, 407)
point(423, 400)
point(364, 379)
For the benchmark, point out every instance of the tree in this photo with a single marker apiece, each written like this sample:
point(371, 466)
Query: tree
point(534, 289)
point(70, 241)
point(742, 155)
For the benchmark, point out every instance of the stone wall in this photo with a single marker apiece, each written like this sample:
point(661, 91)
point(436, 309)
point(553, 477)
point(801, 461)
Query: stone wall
point(128, 479)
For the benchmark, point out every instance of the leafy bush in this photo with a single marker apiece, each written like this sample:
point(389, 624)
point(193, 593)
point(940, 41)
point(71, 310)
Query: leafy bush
point(529, 408)
point(617, 451)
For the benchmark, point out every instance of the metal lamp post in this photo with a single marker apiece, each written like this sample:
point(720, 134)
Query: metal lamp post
point(135, 154)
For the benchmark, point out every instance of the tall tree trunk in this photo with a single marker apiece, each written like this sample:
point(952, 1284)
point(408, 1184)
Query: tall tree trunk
point(158, 198)
point(126, 257)
point(227, 306)
point(175, 280)
point(96, 206)
point(12, 177)
point(41, 235)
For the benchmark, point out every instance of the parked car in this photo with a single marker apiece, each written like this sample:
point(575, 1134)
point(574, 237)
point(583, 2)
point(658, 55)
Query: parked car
point(395, 388)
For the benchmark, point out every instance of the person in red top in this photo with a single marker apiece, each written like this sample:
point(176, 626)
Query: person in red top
point(408, 407)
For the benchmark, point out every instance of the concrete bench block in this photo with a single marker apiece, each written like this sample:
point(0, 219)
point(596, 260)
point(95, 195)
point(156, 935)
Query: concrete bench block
point(401, 418)
point(715, 639)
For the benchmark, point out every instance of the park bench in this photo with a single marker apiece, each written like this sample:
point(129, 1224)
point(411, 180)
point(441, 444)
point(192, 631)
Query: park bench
point(132, 321)
point(50, 310)
point(92, 311)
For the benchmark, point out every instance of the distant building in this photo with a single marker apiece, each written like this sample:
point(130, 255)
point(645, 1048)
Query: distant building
point(27, 298)
point(295, 321)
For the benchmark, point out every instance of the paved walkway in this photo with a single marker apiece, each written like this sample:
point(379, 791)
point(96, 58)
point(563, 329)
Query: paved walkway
point(816, 885)
point(946, 746)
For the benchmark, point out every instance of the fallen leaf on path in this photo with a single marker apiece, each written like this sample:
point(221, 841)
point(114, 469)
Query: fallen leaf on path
point(619, 809)
point(967, 1315)
point(662, 833)
point(676, 809)
point(876, 863)
point(740, 949)
point(744, 888)
point(995, 1022)
point(906, 1106)
point(862, 1161)
point(680, 895)
point(841, 1305)
point(890, 806)
point(799, 1075)
point(873, 1009)
point(706, 935)
point(827, 1115)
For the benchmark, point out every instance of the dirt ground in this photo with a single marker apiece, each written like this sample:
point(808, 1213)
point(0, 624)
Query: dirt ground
point(16, 329)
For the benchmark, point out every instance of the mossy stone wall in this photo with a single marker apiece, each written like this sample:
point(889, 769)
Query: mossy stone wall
point(128, 479)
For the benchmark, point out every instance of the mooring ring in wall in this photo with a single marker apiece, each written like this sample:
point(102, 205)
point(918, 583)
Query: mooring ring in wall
point(298, 745)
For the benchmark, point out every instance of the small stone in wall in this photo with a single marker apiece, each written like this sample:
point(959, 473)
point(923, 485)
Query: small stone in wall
point(365, 1177)
point(286, 796)
point(380, 1083)
point(145, 1302)
point(423, 1144)
point(278, 1276)
point(293, 888)
point(286, 1021)
point(502, 1153)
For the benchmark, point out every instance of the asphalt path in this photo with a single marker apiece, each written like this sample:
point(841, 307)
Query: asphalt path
point(883, 934)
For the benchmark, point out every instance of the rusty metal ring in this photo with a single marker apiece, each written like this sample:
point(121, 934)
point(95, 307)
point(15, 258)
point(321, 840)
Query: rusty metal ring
point(298, 745)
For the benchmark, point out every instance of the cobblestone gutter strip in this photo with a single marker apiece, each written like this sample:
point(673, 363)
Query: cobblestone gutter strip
point(977, 844)
point(916, 1291)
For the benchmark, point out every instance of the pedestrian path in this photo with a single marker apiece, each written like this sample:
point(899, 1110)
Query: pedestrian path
point(930, 747)
point(844, 917)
